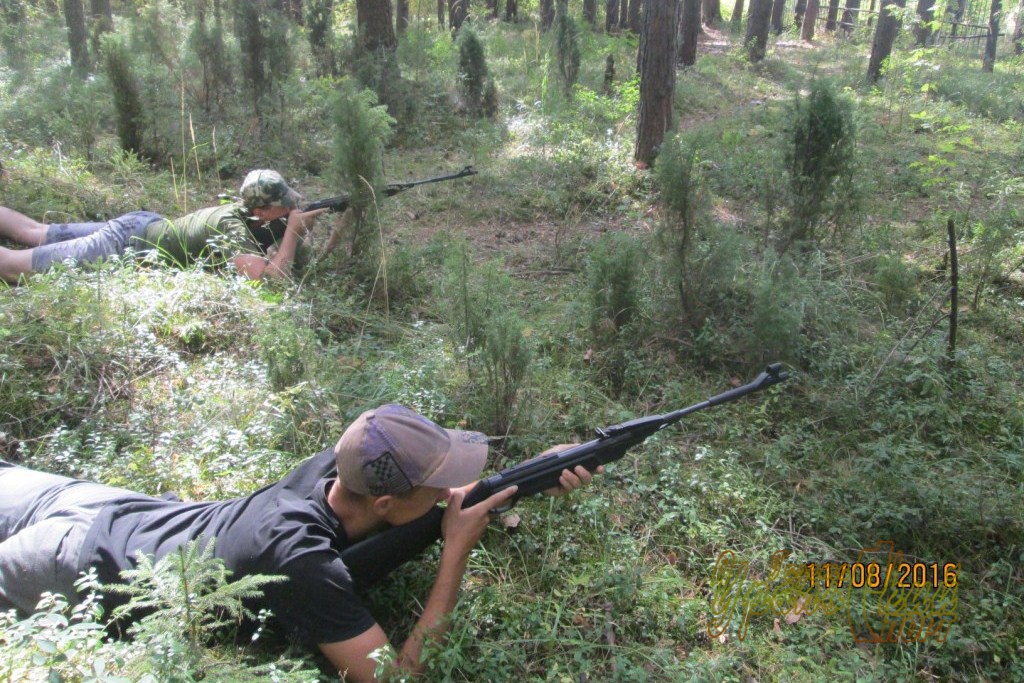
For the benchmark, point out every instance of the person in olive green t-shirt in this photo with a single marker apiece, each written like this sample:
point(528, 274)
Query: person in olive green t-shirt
point(260, 235)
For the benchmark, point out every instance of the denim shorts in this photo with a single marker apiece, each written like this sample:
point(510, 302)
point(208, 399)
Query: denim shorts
point(89, 242)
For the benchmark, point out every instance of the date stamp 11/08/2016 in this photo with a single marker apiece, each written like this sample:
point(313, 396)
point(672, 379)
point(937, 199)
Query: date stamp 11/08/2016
point(884, 598)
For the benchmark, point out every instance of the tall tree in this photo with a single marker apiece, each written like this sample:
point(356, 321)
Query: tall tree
point(712, 11)
point(457, 12)
point(320, 27)
point(636, 16)
point(925, 16)
point(511, 10)
point(441, 12)
point(689, 29)
point(401, 16)
point(810, 18)
point(78, 36)
point(376, 27)
point(989, 60)
point(850, 15)
point(833, 16)
point(611, 15)
point(758, 24)
point(590, 13)
point(737, 14)
point(547, 14)
point(656, 64)
point(885, 35)
point(623, 14)
point(1018, 30)
point(778, 12)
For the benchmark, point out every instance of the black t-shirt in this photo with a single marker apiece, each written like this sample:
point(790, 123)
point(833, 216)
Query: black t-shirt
point(286, 529)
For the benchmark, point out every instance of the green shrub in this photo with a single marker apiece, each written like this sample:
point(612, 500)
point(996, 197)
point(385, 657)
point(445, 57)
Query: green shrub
point(819, 160)
point(613, 272)
point(361, 129)
point(477, 87)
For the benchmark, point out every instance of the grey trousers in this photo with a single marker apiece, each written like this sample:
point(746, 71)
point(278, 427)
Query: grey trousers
point(89, 242)
point(43, 522)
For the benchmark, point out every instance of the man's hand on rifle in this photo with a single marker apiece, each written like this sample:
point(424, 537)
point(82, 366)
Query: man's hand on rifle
point(569, 480)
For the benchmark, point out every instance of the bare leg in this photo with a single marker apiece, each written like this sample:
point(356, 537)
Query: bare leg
point(14, 263)
point(20, 228)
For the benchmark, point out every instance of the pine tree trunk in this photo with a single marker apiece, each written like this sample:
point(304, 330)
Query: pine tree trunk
point(689, 29)
point(810, 18)
point(547, 14)
point(737, 14)
point(441, 11)
point(989, 60)
point(623, 14)
point(758, 24)
point(375, 26)
point(611, 15)
point(656, 64)
point(778, 10)
point(511, 10)
point(457, 12)
point(885, 35)
point(635, 16)
point(712, 12)
point(850, 15)
point(833, 16)
point(590, 13)
point(1018, 31)
point(925, 15)
point(78, 36)
point(401, 16)
point(798, 13)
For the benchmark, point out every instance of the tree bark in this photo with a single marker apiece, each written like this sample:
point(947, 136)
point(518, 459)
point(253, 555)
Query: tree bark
point(635, 16)
point(778, 11)
point(401, 16)
point(511, 10)
point(78, 36)
point(547, 14)
point(833, 15)
point(810, 18)
point(376, 27)
point(737, 13)
point(850, 15)
point(925, 16)
point(457, 12)
point(885, 35)
point(954, 291)
point(590, 13)
point(689, 29)
point(798, 13)
point(1018, 31)
point(758, 24)
point(623, 14)
point(611, 15)
point(712, 12)
point(656, 64)
point(988, 62)
point(441, 12)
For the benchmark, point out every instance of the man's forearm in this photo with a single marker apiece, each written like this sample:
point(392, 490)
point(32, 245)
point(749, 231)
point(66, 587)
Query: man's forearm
point(434, 622)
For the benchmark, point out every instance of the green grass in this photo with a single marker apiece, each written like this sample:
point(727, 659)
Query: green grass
point(199, 383)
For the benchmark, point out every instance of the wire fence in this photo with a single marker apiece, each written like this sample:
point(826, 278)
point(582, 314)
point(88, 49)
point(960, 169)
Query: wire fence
point(962, 26)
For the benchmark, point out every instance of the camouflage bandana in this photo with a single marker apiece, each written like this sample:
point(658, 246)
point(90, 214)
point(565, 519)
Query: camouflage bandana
point(264, 187)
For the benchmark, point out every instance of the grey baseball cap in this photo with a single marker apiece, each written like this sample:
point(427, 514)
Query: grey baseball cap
point(391, 449)
point(264, 187)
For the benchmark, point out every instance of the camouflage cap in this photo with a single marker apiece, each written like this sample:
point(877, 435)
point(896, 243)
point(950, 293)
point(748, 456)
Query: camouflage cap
point(264, 187)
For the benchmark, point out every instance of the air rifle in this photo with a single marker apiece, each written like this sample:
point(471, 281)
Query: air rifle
point(373, 558)
point(341, 202)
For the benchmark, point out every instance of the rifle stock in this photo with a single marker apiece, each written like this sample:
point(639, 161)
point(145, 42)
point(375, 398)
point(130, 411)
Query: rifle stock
point(341, 202)
point(372, 559)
